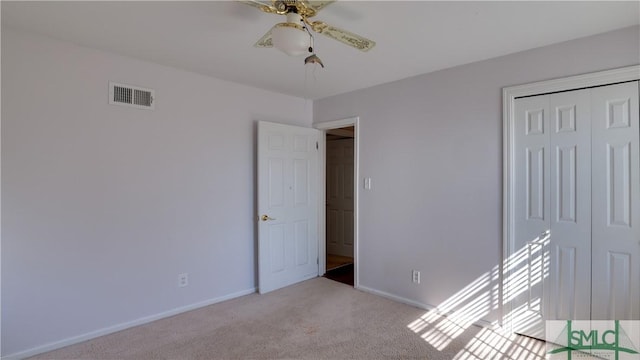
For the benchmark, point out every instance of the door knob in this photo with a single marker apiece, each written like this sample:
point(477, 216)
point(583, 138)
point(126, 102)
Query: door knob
point(266, 217)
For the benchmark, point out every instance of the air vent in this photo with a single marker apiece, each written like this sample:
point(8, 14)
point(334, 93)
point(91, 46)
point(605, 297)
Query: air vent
point(133, 96)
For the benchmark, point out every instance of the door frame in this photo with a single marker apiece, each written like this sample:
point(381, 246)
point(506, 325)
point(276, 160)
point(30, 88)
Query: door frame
point(509, 95)
point(322, 196)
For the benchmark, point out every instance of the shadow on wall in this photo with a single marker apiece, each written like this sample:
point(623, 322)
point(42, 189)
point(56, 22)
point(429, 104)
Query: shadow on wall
point(523, 273)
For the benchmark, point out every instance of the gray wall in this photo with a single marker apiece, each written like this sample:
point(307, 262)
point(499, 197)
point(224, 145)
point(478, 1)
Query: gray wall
point(103, 206)
point(432, 145)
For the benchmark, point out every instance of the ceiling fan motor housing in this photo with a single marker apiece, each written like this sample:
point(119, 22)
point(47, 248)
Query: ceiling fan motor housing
point(286, 5)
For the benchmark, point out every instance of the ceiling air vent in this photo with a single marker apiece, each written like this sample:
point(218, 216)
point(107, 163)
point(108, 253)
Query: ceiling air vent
point(133, 96)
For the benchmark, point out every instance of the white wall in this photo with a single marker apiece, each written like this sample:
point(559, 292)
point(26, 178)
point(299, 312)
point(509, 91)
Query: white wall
point(432, 145)
point(103, 206)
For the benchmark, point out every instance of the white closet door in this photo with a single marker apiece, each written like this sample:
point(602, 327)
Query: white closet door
point(529, 256)
point(570, 248)
point(551, 263)
point(616, 203)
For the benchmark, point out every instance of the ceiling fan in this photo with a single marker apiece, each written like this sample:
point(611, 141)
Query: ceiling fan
point(294, 36)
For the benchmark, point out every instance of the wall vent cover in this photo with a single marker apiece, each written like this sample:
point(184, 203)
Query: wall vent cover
point(133, 96)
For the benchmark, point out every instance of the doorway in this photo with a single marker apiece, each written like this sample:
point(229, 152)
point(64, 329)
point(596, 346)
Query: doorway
point(338, 248)
point(339, 204)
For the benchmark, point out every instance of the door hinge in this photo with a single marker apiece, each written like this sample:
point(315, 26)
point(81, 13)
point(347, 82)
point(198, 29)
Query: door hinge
point(317, 261)
point(316, 145)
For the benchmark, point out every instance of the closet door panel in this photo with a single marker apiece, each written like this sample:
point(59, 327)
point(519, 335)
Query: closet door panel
point(529, 258)
point(570, 250)
point(616, 202)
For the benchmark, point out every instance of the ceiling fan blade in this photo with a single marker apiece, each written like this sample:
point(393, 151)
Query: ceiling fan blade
point(344, 36)
point(318, 5)
point(265, 41)
point(265, 6)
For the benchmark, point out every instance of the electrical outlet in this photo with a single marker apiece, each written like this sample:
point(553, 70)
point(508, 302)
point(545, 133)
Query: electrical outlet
point(183, 280)
point(415, 276)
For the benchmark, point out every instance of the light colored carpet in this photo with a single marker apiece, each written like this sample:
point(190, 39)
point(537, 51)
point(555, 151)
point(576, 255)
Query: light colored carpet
point(315, 319)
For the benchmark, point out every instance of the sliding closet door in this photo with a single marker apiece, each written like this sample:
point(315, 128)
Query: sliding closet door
point(616, 203)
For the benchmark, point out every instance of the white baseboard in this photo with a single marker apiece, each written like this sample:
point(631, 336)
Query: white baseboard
point(396, 298)
point(482, 323)
point(109, 330)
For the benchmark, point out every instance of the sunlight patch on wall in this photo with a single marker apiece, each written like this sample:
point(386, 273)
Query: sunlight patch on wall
point(524, 273)
point(442, 325)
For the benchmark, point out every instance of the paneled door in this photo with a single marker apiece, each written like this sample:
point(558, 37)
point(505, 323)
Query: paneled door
point(616, 202)
point(551, 259)
point(569, 265)
point(339, 205)
point(529, 256)
point(287, 205)
point(576, 252)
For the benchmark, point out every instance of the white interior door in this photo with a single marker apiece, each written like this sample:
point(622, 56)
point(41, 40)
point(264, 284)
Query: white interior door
point(569, 279)
point(528, 261)
point(287, 205)
point(616, 203)
point(340, 219)
point(576, 247)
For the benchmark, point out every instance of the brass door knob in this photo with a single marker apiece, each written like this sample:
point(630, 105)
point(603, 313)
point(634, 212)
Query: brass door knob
point(266, 217)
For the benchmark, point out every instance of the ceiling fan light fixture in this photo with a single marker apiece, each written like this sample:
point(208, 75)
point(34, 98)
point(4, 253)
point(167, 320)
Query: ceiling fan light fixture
point(290, 37)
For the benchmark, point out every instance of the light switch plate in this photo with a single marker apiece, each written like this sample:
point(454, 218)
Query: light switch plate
point(367, 183)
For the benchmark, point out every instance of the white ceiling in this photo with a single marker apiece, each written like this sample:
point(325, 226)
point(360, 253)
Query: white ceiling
point(413, 37)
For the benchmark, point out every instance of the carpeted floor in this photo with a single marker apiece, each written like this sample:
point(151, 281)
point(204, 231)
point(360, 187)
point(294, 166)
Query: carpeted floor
point(315, 319)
